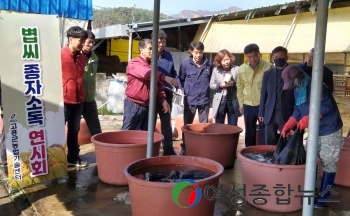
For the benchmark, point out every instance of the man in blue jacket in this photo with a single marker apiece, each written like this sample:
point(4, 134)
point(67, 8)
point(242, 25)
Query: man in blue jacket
point(166, 66)
point(330, 139)
point(194, 76)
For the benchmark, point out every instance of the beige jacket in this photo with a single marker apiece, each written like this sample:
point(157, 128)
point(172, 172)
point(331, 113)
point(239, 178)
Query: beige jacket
point(249, 83)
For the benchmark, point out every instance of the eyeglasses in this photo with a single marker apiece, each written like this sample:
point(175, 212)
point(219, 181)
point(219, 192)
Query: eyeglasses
point(90, 42)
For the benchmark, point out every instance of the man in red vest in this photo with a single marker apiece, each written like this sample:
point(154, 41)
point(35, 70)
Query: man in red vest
point(73, 64)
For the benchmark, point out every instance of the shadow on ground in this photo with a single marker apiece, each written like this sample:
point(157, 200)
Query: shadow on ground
point(82, 193)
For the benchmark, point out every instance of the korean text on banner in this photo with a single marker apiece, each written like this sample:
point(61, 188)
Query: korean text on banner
point(31, 87)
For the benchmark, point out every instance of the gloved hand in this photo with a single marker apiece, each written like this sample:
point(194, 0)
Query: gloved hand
point(288, 125)
point(303, 123)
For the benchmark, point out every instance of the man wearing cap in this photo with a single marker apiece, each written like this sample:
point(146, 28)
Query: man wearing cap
point(330, 139)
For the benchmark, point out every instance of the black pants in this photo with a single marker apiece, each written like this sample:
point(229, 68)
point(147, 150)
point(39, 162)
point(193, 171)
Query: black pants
point(165, 121)
point(232, 118)
point(190, 112)
point(250, 117)
point(90, 115)
point(276, 122)
point(72, 116)
point(135, 116)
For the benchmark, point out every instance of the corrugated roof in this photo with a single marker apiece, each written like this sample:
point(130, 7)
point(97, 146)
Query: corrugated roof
point(121, 30)
point(77, 9)
point(295, 31)
point(111, 31)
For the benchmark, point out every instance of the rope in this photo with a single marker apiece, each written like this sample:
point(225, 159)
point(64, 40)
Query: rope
point(113, 94)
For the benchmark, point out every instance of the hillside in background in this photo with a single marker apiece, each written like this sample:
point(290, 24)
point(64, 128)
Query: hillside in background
point(124, 15)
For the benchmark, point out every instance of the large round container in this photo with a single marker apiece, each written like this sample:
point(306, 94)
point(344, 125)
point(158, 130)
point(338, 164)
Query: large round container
point(271, 187)
point(115, 149)
point(84, 135)
point(343, 174)
point(179, 122)
point(158, 198)
point(214, 141)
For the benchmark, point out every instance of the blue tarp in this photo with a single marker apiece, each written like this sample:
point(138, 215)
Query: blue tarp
point(77, 9)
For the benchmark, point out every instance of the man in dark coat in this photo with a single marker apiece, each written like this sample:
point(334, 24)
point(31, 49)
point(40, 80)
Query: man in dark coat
point(307, 68)
point(276, 104)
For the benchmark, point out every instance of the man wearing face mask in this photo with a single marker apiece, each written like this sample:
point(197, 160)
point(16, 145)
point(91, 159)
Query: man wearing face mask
point(276, 106)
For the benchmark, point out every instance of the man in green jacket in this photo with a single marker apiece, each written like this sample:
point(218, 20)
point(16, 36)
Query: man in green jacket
point(249, 83)
point(90, 113)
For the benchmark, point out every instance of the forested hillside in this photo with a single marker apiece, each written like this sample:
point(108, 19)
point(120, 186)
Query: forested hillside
point(122, 15)
point(125, 15)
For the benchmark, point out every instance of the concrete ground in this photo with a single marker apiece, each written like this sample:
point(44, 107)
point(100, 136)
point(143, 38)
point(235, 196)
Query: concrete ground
point(6, 204)
point(82, 193)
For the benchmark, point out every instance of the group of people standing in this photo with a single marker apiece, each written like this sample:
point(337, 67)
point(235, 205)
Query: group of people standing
point(79, 68)
point(275, 98)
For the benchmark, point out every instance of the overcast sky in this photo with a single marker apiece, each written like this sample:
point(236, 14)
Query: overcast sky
point(175, 6)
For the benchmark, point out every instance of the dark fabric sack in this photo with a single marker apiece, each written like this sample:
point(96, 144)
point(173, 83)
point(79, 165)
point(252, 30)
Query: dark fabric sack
point(282, 142)
point(294, 152)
